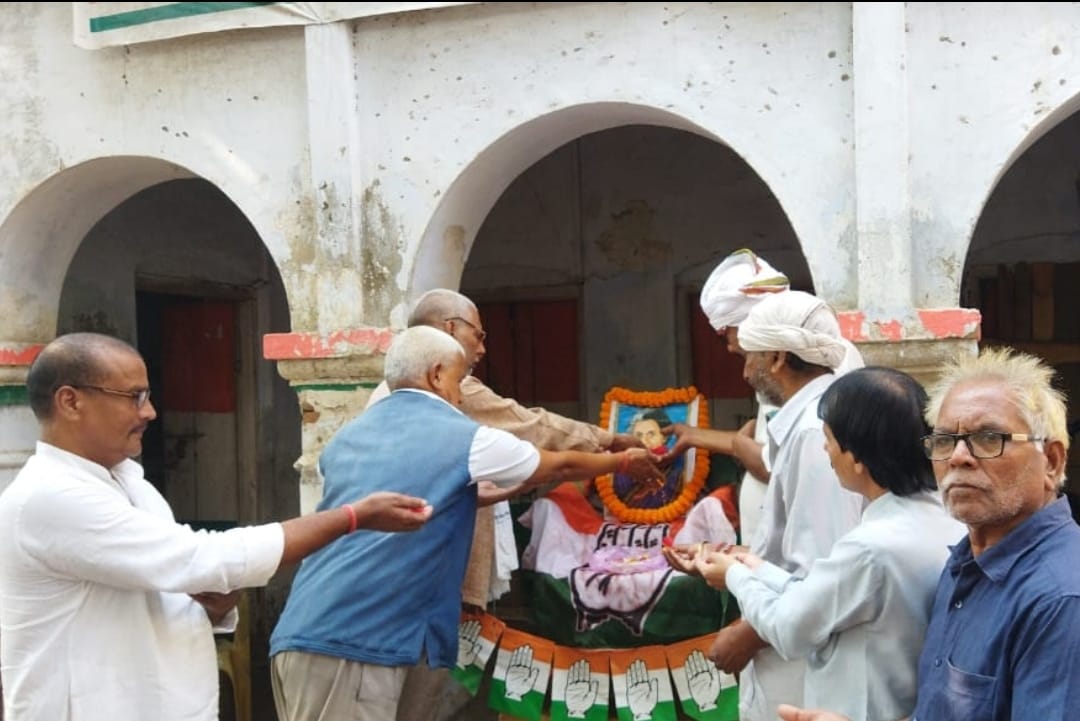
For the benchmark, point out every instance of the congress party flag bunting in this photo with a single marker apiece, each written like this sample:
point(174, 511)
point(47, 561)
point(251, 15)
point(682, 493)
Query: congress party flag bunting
point(705, 692)
point(579, 685)
point(478, 634)
point(522, 671)
point(639, 678)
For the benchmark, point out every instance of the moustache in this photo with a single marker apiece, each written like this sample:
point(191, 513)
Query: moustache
point(955, 477)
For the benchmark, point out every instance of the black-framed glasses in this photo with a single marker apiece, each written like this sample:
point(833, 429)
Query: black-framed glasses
point(981, 444)
point(140, 397)
point(481, 334)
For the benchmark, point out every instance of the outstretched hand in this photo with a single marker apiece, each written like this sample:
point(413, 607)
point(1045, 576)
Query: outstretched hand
point(685, 439)
point(624, 442)
point(682, 556)
point(790, 713)
point(641, 465)
point(389, 511)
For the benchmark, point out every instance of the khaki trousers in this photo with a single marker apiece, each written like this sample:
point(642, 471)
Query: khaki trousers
point(313, 687)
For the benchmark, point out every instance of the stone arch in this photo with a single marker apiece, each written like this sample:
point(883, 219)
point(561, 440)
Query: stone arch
point(452, 229)
point(42, 233)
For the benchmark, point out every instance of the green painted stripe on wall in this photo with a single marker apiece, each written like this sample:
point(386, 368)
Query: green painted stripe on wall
point(104, 23)
point(14, 396)
point(334, 386)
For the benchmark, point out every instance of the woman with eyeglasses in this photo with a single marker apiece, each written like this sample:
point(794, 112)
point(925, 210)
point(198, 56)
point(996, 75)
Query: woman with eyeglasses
point(859, 615)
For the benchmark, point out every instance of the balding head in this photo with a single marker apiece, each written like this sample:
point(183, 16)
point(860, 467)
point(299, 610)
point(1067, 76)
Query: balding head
point(455, 314)
point(75, 359)
point(436, 306)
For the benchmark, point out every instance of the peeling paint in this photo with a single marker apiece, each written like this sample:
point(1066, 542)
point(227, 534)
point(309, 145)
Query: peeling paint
point(337, 344)
point(381, 253)
point(629, 242)
point(19, 354)
point(852, 323)
point(952, 322)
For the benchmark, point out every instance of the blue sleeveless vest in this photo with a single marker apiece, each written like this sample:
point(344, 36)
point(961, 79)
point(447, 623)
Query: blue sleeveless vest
point(383, 598)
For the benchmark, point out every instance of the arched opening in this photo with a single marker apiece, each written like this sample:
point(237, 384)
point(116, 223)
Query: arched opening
point(589, 266)
point(1024, 258)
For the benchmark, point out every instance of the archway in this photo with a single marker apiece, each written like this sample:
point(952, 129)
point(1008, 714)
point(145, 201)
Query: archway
point(146, 250)
point(1024, 257)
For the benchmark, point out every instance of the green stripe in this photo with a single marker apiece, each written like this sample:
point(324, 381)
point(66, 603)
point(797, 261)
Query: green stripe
point(333, 386)
point(14, 396)
point(172, 11)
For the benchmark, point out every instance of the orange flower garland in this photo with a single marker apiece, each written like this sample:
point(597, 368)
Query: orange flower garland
point(681, 504)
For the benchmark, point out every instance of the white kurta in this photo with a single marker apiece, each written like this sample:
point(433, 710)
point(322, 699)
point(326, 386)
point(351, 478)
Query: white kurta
point(859, 615)
point(804, 513)
point(751, 490)
point(95, 619)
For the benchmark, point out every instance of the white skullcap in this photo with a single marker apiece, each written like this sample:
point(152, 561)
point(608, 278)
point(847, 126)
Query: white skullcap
point(736, 285)
point(798, 323)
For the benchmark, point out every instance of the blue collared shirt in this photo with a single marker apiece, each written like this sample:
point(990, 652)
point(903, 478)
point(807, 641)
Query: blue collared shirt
point(1004, 635)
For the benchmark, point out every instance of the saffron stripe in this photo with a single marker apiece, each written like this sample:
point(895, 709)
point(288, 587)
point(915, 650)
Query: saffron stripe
point(172, 11)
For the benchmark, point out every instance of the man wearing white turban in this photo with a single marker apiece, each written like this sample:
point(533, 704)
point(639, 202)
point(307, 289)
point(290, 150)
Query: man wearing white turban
point(735, 286)
point(792, 345)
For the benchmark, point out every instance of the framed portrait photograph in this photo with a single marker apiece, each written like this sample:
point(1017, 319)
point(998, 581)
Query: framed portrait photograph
point(644, 414)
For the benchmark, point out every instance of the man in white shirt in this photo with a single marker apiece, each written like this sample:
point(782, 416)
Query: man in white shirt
point(792, 345)
point(107, 605)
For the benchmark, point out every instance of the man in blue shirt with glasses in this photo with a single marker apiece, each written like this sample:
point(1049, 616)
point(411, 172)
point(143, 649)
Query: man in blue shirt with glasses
point(1004, 635)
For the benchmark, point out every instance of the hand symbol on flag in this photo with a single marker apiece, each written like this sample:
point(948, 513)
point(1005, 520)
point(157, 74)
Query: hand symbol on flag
point(704, 680)
point(641, 691)
point(468, 642)
point(520, 674)
point(581, 689)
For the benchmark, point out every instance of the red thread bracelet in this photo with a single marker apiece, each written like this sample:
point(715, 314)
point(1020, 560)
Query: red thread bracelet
point(351, 512)
point(624, 462)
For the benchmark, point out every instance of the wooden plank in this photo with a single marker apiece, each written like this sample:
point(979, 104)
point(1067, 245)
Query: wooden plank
point(1022, 302)
point(1067, 300)
point(1006, 326)
point(988, 306)
point(1042, 301)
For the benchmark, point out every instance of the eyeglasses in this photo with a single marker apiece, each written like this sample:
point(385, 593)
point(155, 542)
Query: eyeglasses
point(481, 334)
point(140, 397)
point(981, 444)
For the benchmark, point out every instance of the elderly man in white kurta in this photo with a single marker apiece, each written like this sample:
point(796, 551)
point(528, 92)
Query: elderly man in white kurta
point(792, 343)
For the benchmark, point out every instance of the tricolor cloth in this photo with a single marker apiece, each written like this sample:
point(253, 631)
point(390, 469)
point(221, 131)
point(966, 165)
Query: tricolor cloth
point(641, 686)
point(736, 285)
point(705, 692)
point(802, 324)
point(522, 671)
point(478, 637)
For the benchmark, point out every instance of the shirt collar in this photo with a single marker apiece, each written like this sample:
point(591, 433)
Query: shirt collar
point(996, 561)
point(788, 417)
point(123, 469)
point(422, 391)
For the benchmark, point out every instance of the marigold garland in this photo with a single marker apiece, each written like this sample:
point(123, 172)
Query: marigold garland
point(681, 504)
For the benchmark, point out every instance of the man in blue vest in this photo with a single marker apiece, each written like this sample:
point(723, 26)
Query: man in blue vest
point(359, 616)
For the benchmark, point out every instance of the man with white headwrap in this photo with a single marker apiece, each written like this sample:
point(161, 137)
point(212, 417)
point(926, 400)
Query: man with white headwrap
point(735, 286)
point(792, 345)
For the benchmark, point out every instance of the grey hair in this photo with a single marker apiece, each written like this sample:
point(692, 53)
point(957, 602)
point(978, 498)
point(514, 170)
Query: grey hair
point(1027, 382)
point(438, 305)
point(414, 352)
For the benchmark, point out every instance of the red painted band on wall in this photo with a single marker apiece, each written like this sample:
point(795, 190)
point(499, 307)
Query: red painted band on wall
point(19, 354)
point(336, 344)
point(937, 323)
